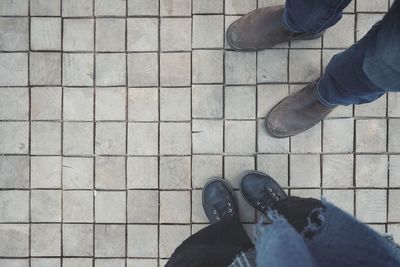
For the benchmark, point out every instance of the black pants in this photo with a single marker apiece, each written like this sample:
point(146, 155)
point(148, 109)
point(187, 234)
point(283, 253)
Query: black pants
point(214, 246)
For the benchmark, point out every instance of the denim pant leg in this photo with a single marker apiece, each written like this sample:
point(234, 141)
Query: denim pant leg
point(312, 16)
point(368, 69)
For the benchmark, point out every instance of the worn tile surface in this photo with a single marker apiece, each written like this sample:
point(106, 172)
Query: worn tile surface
point(115, 113)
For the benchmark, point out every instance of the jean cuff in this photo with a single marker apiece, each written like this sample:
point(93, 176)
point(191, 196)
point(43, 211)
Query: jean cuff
point(320, 98)
point(285, 22)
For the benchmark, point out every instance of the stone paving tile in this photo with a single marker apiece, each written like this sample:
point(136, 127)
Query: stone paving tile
point(115, 113)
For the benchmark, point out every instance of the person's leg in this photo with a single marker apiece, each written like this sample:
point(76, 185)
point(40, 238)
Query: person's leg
point(217, 244)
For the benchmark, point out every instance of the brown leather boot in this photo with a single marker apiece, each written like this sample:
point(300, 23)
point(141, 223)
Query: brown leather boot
point(262, 28)
point(296, 113)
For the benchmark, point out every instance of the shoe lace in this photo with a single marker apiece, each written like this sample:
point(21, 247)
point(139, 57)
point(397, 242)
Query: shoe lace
point(223, 210)
point(268, 200)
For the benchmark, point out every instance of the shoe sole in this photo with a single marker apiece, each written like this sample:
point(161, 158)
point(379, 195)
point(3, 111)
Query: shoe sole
point(227, 184)
point(244, 174)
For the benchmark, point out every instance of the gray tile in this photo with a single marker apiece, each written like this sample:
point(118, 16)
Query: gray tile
point(13, 69)
point(14, 137)
point(110, 172)
point(207, 136)
point(314, 43)
point(235, 166)
point(45, 172)
point(393, 105)
point(142, 34)
point(142, 241)
point(110, 8)
point(109, 240)
point(143, 104)
point(394, 170)
point(339, 135)
point(305, 171)
point(142, 172)
point(371, 164)
point(275, 165)
point(14, 262)
point(111, 69)
point(304, 65)
point(78, 69)
point(110, 138)
point(268, 144)
point(142, 262)
point(343, 199)
point(198, 215)
point(176, 34)
point(239, 7)
point(208, 6)
point(46, 103)
point(14, 34)
point(170, 237)
point(78, 206)
point(77, 240)
point(175, 69)
point(272, 65)
point(240, 137)
point(110, 103)
point(371, 205)
point(175, 138)
point(342, 35)
point(143, 69)
point(207, 101)
point(15, 206)
point(46, 138)
point(207, 66)
point(308, 141)
point(78, 104)
point(143, 138)
point(240, 102)
point(337, 170)
point(18, 236)
point(78, 138)
point(240, 68)
point(205, 167)
point(175, 7)
point(394, 210)
point(45, 33)
point(142, 7)
point(174, 207)
point(46, 206)
point(110, 207)
point(77, 8)
point(14, 103)
point(14, 172)
point(110, 29)
point(77, 173)
point(109, 263)
point(175, 104)
point(175, 172)
point(46, 239)
point(45, 68)
point(143, 206)
point(372, 6)
point(14, 8)
point(208, 31)
point(394, 140)
point(81, 262)
point(45, 7)
point(45, 262)
point(373, 109)
point(268, 95)
point(371, 135)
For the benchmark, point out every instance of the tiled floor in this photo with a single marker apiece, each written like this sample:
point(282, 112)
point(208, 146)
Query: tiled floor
point(114, 113)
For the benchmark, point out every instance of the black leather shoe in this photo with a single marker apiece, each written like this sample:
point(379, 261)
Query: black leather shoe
point(261, 191)
point(219, 201)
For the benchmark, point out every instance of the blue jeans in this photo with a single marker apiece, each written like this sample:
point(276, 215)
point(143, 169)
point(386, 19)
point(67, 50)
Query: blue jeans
point(363, 72)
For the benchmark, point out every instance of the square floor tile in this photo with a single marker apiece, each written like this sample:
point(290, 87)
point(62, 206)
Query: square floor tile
point(174, 207)
point(110, 8)
point(235, 166)
point(110, 103)
point(110, 29)
point(171, 236)
point(208, 6)
point(78, 69)
point(207, 66)
point(240, 102)
point(78, 138)
point(175, 172)
point(393, 105)
point(14, 262)
point(143, 69)
point(14, 33)
point(14, 69)
point(175, 104)
point(142, 34)
point(78, 103)
point(176, 34)
point(109, 240)
point(77, 8)
point(376, 108)
point(305, 171)
point(372, 6)
point(142, 262)
point(275, 165)
point(342, 35)
point(175, 138)
point(272, 65)
point(18, 236)
point(339, 135)
point(175, 7)
point(14, 171)
point(308, 141)
point(14, 137)
point(208, 31)
point(143, 104)
point(268, 144)
point(207, 101)
point(394, 140)
point(110, 138)
point(45, 33)
point(371, 135)
point(46, 103)
point(45, 68)
point(46, 138)
point(337, 170)
point(142, 241)
point(198, 215)
point(143, 7)
point(81, 262)
point(77, 240)
point(15, 206)
point(240, 68)
point(205, 167)
point(142, 172)
point(143, 206)
point(143, 138)
point(14, 103)
point(239, 7)
point(110, 172)
point(45, 239)
point(77, 173)
point(371, 205)
point(268, 95)
point(394, 170)
point(207, 136)
point(304, 65)
point(46, 206)
point(343, 199)
point(394, 210)
point(110, 207)
point(175, 69)
point(45, 7)
point(45, 172)
point(78, 206)
point(240, 137)
point(111, 69)
point(109, 263)
point(45, 262)
point(371, 170)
